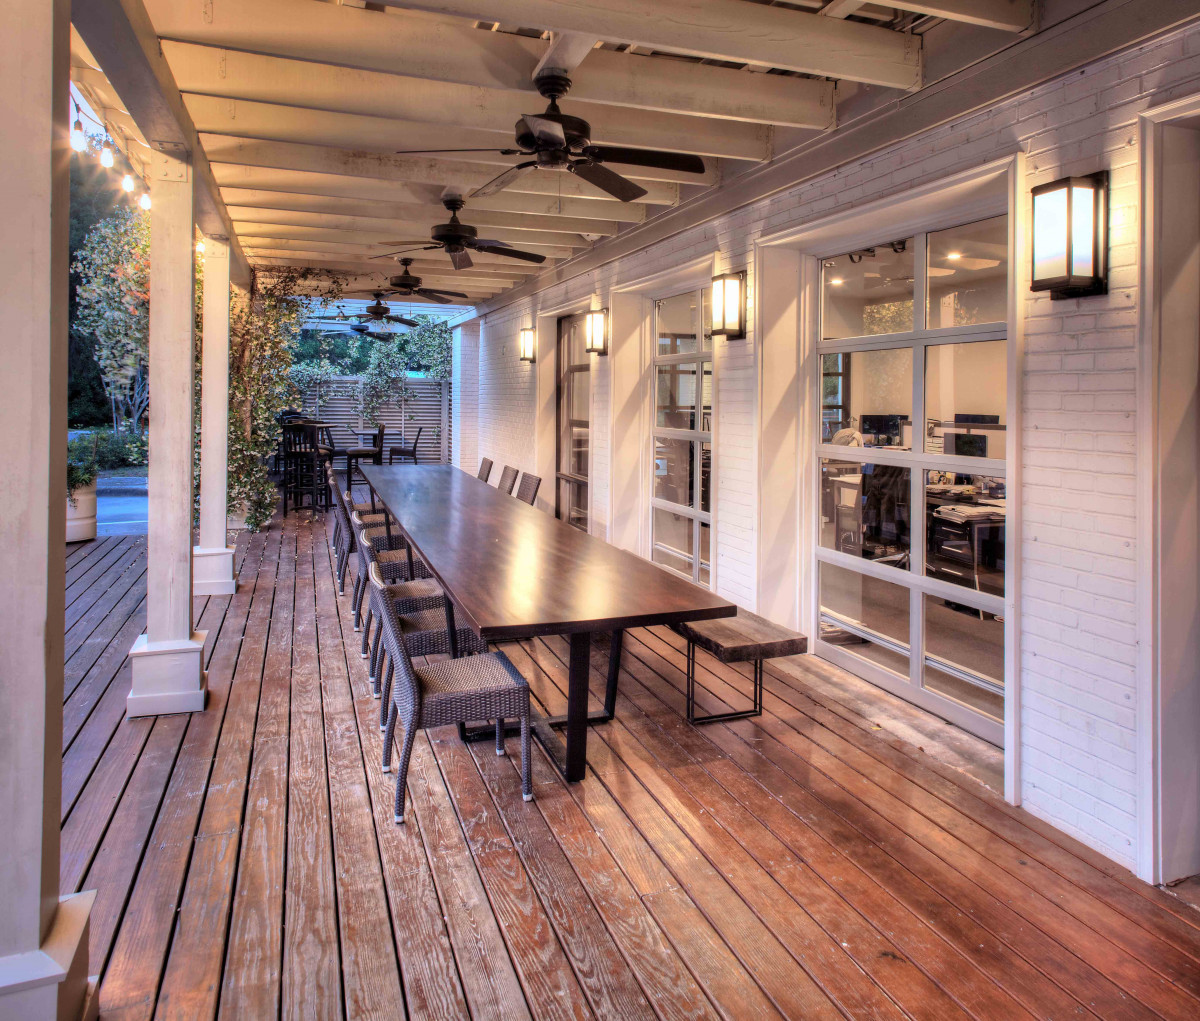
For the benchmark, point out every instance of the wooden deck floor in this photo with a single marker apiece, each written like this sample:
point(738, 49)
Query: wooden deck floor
point(811, 864)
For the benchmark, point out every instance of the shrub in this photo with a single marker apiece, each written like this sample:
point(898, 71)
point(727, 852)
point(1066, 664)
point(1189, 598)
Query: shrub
point(117, 449)
point(82, 467)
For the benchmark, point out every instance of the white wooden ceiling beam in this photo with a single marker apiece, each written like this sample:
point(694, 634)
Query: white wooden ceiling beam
point(120, 36)
point(421, 169)
point(241, 201)
point(277, 123)
point(719, 30)
point(339, 187)
point(842, 8)
point(230, 74)
point(1008, 15)
point(371, 242)
point(417, 228)
point(450, 50)
point(345, 251)
point(355, 284)
point(566, 52)
point(484, 276)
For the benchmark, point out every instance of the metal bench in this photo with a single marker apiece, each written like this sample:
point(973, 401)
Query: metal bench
point(746, 638)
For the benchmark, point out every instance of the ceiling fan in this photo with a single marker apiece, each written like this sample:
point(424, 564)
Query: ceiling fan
point(458, 239)
point(376, 313)
point(558, 141)
point(408, 284)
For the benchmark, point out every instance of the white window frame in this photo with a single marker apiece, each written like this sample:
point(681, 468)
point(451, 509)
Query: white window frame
point(697, 436)
point(917, 461)
point(973, 194)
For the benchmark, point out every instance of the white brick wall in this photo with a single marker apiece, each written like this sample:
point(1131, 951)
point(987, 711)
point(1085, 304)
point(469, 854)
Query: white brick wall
point(464, 438)
point(1077, 552)
point(507, 395)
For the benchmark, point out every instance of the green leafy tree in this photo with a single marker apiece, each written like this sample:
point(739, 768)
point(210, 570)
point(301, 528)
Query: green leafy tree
point(113, 307)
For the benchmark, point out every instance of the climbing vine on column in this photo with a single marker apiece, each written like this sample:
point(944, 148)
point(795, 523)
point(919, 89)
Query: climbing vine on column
point(264, 327)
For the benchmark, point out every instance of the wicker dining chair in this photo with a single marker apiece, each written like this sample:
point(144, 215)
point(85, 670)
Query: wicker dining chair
point(485, 469)
point(399, 563)
point(528, 488)
point(483, 686)
point(508, 478)
point(397, 567)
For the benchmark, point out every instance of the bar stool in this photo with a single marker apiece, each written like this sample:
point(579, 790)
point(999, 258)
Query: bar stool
point(303, 467)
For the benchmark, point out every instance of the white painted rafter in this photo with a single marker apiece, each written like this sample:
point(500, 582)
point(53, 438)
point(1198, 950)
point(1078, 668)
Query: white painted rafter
point(449, 50)
point(719, 30)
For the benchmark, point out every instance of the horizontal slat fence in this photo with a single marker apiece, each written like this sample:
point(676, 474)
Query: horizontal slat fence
point(427, 408)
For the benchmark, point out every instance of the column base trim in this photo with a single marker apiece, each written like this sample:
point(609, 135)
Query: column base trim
point(212, 571)
point(52, 981)
point(168, 677)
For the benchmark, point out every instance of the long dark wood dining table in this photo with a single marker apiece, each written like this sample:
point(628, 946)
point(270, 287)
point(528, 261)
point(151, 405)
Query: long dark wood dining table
point(511, 571)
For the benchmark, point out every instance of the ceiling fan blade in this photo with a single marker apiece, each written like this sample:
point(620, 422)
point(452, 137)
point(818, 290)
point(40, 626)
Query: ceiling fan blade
point(432, 296)
point(608, 181)
point(548, 133)
point(392, 255)
point(360, 328)
point(683, 161)
point(494, 244)
point(512, 253)
point(461, 260)
point(402, 321)
point(437, 294)
point(503, 181)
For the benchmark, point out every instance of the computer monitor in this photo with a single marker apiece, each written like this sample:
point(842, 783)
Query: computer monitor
point(960, 419)
point(966, 444)
point(881, 425)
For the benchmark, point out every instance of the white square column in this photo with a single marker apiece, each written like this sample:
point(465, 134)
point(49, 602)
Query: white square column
point(167, 661)
point(43, 938)
point(212, 560)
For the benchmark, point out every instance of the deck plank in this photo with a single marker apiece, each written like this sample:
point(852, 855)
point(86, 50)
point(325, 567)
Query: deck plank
point(805, 863)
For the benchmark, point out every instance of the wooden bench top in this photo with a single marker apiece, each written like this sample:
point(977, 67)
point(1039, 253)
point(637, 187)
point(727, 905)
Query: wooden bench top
point(743, 638)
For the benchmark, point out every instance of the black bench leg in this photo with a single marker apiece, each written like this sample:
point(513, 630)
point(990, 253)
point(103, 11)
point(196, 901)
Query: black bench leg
point(718, 717)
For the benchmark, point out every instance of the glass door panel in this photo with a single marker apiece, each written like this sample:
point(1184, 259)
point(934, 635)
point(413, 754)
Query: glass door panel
point(574, 422)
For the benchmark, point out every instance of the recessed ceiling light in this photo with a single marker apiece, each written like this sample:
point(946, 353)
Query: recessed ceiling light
point(952, 256)
point(837, 281)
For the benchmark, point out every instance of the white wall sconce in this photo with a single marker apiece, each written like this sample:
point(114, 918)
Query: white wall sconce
point(728, 304)
point(595, 331)
point(525, 344)
point(1070, 236)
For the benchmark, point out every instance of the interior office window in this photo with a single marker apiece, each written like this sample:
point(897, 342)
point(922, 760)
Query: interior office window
point(681, 483)
point(868, 292)
point(855, 414)
point(911, 456)
point(574, 423)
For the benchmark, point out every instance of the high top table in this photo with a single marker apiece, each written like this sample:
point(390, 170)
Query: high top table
point(511, 572)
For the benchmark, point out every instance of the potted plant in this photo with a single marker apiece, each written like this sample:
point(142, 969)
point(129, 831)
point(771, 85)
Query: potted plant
point(82, 470)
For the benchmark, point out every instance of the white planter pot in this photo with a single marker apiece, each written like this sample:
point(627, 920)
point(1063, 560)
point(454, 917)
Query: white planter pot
point(81, 518)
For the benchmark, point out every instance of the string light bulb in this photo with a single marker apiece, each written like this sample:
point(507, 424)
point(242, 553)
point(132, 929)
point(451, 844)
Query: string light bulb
point(144, 201)
point(106, 154)
point(78, 138)
point(127, 182)
point(199, 247)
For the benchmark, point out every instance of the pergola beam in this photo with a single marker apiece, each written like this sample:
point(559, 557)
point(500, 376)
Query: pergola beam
point(370, 241)
point(479, 277)
point(263, 205)
point(718, 30)
point(363, 285)
point(360, 249)
point(287, 183)
point(418, 169)
point(448, 50)
point(304, 86)
point(120, 36)
point(1007, 15)
point(239, 118)
point(414, 228)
